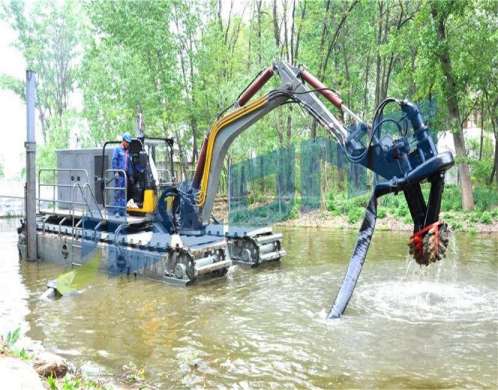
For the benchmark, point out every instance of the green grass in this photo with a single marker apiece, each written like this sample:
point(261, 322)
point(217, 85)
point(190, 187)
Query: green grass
point(8, 345)
point(485, 212)
point(70, 382)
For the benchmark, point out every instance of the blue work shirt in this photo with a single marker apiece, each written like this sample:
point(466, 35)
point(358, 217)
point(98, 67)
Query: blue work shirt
point(121, 159)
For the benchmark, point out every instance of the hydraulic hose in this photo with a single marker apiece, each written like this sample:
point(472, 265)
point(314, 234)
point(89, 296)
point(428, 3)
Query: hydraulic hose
point(357, 259)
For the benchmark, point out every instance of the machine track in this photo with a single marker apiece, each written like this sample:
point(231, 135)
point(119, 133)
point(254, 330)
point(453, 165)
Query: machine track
point(250, 246)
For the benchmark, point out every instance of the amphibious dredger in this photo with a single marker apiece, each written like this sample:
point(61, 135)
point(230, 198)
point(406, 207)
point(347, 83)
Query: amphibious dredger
point(171, 233)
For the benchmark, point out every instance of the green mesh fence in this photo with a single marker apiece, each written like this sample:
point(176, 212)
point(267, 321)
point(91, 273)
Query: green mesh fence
point(277, 186)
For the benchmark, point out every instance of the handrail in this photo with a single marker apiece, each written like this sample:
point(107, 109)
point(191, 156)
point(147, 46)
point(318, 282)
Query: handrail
point(55, 201)
point(82, 188)
point(113, 188)
point(86, 186)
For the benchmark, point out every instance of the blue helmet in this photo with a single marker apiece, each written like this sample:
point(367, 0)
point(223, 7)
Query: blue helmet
point(127, 137)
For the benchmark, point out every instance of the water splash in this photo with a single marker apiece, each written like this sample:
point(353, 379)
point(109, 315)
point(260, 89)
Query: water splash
point(430, 294)
point(428, 301)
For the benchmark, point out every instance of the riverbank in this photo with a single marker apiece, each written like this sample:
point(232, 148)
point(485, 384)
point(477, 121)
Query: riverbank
point(27, 365)
point(342, 212)
point(458, 221)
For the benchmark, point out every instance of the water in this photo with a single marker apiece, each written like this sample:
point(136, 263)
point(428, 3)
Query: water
point(406, 326)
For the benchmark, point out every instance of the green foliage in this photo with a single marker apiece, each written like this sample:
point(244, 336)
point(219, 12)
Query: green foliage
point(486, 197)
point(12, 84)
point(392, 201)
point(12, 337)
point(8, 344)
point(181, 63)
point(456, 225)
point(407, 219)
point(73, 382)
point(486, 217)
point(402, 211)
point(52, 383)
point(340, 204)
point(354, 214)
point(294, 213)
point(481, 169)
point(330, 204)
point(452, 199)
point(49, 37)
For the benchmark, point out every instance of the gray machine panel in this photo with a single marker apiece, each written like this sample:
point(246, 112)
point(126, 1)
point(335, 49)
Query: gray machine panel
point(85, 166)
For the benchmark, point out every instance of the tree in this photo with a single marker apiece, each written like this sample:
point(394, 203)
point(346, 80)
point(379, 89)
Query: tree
point(48, 35)
point(440, 14)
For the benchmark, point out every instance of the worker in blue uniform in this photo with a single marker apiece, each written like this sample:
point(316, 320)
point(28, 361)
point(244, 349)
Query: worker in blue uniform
point(121, 160)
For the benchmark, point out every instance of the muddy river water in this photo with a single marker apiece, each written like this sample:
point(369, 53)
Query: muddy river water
point(405, 327)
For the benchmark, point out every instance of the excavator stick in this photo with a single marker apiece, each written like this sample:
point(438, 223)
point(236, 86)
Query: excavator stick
point(402, 162)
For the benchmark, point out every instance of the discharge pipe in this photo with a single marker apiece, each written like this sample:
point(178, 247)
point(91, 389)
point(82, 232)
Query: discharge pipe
point(360, 251)
point(30, 186)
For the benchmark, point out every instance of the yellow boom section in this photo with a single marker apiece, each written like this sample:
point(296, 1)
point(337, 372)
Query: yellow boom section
point(213, 133)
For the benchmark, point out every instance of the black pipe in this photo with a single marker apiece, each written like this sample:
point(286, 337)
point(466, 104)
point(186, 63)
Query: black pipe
point(437, 188)
point(357, 260)
point(416, 204)
point(360, 251)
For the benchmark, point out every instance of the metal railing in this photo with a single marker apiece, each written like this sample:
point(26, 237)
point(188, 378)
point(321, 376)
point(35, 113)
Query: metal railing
point(84, 189)
point(76, 226)
point(113, 206)
point(57, 186)
point(81, 189)
point(87, 199)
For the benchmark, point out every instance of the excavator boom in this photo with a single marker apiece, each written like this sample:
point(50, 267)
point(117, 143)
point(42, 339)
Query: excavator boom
point(402, 163)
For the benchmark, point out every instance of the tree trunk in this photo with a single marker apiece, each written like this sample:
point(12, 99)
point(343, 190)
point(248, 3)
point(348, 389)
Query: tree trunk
point(494, 172)
point(378, 59)
point(276, 30)
point(481, 141)
point(463, 171)
point(193, 119)
point(365, 89)
point(295, 56)
point(43, 122)
point(495, 165)
point(181, 155)
point(289, 128)
point(334, 39)
point(314, 125)
point(259, 5)
point(450, 89)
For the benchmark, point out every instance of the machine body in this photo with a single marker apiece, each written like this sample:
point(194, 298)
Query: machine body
point(401, 163)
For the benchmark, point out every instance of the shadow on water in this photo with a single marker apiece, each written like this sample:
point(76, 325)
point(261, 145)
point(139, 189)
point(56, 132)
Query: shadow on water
point(406, 326)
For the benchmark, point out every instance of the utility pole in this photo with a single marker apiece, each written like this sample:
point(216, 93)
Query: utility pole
point(30, 186)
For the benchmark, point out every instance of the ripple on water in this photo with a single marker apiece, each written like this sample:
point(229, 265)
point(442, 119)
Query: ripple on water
point(427, 301)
